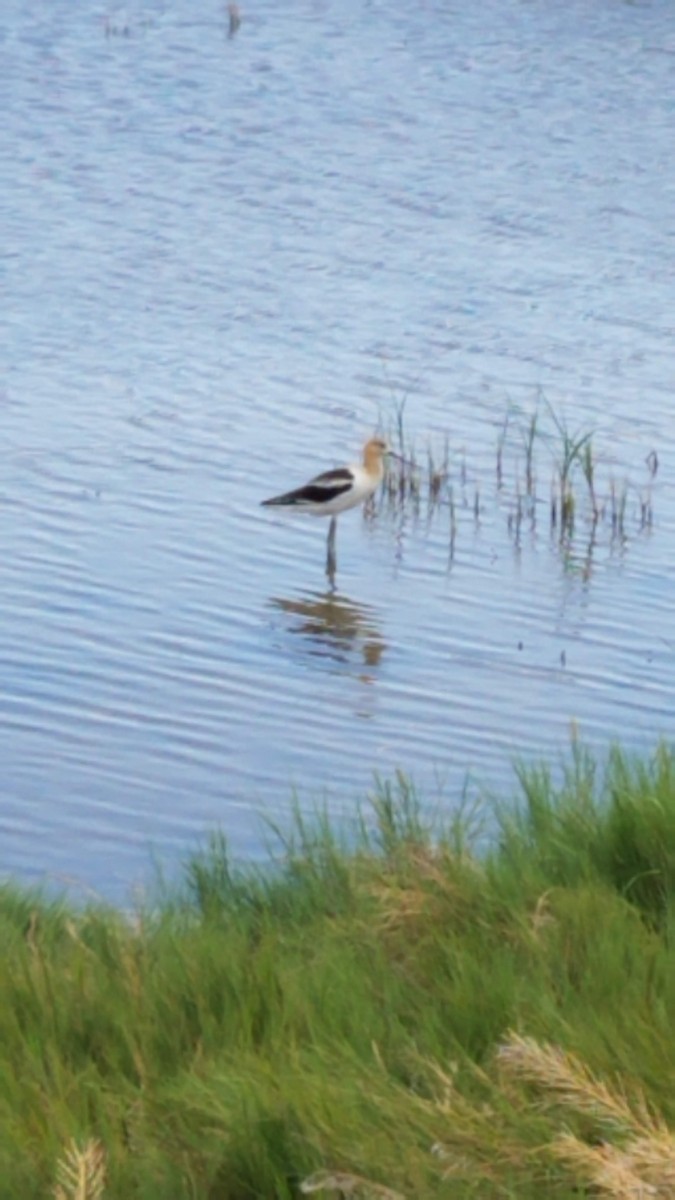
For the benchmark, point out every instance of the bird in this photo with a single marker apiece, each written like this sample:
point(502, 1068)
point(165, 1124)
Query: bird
point(335, 491)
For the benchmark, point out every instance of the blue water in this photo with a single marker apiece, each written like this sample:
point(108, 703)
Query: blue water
point(223, 262)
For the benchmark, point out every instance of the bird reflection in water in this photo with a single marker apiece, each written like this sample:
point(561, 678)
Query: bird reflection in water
point(336, 628)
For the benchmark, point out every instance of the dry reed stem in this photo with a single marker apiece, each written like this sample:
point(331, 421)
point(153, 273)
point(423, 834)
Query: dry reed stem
point(541, 918)
point(419, 890)
point(654, 1158)
point(80, 1173)
point(477, 1145)
point(347, 1184)
point(566, 1080)
point(645, 1167)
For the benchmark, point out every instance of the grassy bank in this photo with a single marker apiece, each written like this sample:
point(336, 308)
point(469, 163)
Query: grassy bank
point(399, 1017)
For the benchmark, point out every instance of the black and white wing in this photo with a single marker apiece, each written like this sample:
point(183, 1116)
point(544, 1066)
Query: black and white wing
point(320, 490)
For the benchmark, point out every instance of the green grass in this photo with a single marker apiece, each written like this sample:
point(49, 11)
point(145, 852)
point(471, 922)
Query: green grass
point(389, 1015)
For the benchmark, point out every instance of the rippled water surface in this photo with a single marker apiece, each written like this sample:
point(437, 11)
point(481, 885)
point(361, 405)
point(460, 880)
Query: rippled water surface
point(223, 262)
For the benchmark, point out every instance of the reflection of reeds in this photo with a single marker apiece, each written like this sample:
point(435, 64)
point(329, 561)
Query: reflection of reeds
point(618, 500)
point(530, 437)
point(453, 522)
point(437, 471)
point(646, 511)
point(501, 442)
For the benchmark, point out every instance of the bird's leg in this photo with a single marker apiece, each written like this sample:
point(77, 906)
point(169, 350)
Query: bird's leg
point(331, 560)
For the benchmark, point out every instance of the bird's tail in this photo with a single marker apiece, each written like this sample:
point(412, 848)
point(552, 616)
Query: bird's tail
point(279, 501)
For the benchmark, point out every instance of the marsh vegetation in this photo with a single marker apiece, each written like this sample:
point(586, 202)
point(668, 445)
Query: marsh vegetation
point(548, 479)
point(393, 1009)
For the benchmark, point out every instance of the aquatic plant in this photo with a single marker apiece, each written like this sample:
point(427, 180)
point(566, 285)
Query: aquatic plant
point(587, 509)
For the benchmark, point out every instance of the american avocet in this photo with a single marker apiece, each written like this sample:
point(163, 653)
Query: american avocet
point(335, 491)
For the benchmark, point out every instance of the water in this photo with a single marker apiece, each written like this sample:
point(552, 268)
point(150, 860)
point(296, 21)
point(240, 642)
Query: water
point(222, 261)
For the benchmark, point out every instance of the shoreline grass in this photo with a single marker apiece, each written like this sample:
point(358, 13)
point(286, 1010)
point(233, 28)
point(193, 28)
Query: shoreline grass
point(388, 1015)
